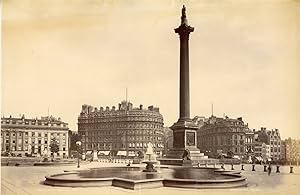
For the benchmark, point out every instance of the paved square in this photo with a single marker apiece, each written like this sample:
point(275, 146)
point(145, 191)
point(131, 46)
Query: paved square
point(29, 180)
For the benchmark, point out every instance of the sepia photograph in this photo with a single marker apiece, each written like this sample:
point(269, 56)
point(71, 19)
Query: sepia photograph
point(150, 97)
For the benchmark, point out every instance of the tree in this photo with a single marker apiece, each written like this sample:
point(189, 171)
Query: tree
point(54, 145)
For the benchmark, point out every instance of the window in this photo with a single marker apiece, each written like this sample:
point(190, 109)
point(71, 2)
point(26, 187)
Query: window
point(40, 134)
point(13, 134)
point(26, 141)
point(7, 141)
point(7, 134)
point(14, 141)
point(26, 133)
point(45, 135)
point(32, 134)
point(64, 149)
point(46, 141)
point(39, 141)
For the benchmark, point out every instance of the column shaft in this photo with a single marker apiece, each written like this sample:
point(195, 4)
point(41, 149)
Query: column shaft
point(184, 78)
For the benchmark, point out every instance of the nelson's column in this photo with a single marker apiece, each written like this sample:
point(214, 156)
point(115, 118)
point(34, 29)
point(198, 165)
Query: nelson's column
point(184, 130)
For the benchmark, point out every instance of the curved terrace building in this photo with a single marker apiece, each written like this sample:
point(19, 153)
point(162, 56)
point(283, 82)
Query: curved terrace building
point(222, 135)
point(124, 131)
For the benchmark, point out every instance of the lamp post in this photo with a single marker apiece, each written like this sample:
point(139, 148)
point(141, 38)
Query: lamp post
point(78, 144)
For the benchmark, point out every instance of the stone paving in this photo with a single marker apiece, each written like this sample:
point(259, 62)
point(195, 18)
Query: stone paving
point(29, 180)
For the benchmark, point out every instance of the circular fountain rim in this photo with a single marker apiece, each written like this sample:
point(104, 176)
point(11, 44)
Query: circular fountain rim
point(237, 181)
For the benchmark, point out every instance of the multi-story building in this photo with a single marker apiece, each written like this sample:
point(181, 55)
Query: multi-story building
point(123, 131)
point(262, 150)
point(292, 150)
point(225, 135)
point(33, 136)
point(168, 139)
point(272, 138)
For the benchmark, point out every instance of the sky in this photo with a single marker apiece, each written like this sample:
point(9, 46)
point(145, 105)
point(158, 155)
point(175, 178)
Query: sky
point(244, 58)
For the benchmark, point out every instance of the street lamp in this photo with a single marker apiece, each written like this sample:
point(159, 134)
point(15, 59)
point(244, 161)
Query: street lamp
point(78, 144)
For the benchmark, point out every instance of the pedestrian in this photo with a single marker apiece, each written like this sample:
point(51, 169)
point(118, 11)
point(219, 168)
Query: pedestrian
point(269, 169)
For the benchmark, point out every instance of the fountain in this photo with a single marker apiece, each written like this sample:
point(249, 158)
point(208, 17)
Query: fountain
point(150, 159)
point(184, 152)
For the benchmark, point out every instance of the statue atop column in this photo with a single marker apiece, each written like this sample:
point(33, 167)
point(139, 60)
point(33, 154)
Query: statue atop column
point(183, 16)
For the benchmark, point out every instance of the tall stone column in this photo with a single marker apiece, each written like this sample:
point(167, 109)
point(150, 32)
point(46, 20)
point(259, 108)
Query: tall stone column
point(184, 130)
point(184, 31)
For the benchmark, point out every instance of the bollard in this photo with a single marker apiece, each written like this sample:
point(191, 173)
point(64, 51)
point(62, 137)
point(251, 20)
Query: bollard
point(265, 168)
point(242, 167)
point(232, 167)
point(291, 170)
point(253, 167)
point(222, 166)
point(277, 169)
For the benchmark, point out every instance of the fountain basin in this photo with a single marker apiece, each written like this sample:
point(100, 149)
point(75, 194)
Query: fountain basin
point(150, 166)
point(133, 178)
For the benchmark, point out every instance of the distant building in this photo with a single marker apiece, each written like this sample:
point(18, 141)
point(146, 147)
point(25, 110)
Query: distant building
point(33, 136)
point(292, 150)
point(199, 120)
point(225, 135)
point(125, 131)
point(168, 139)
point(262, 150)
point(272, 138)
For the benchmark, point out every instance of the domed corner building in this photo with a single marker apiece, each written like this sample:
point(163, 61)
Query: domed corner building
point(218, 135)
point(125, 131)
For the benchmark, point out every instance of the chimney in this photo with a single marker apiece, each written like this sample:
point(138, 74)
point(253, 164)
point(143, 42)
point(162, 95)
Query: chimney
point(130, 106)
point(141, 106)
point(107, 108)
point(113, 108)
point(90, 109)
point(119, 106)
point(101, 109)
point(84, 108)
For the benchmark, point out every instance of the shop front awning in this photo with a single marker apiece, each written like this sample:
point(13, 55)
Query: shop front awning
point(131, 153)
point(103, 152)
point(121, 153)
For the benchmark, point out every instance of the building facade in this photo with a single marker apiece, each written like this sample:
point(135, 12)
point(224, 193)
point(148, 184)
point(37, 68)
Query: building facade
point(272, 138)
point(33, 136)
point(225, 135)
point(262, 150)
point(168, 139)
point(292, 150)
point(124, 131)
